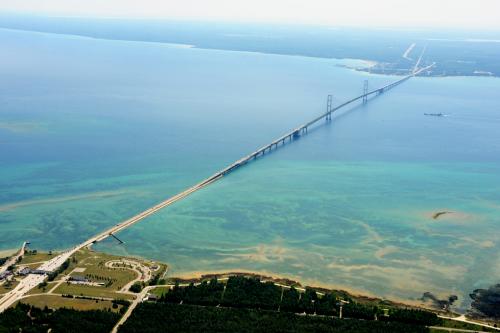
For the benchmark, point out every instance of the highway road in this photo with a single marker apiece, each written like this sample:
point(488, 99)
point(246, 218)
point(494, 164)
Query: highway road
point(463, 319)
point(33, 280)
point(13, 259)
point(139, 298)
point(408, 51)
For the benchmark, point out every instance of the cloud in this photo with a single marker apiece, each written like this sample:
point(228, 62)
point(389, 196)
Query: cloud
point(444, 13)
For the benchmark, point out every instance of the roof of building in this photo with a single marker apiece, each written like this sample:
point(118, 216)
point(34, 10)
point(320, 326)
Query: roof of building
point(5, 274)
point(77, 278)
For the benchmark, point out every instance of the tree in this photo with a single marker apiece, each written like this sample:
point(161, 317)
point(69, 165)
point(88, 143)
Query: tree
point(136, 287)
point(290, 300)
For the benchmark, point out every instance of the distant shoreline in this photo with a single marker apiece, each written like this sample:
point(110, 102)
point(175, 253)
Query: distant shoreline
point(370, 66)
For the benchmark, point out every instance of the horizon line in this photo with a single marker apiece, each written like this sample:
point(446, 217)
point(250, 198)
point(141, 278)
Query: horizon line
point(282, 23)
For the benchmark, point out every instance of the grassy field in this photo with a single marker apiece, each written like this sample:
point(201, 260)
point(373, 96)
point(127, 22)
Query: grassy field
point(32, 266)
point(89, 264)
point(55, 302)
point(94, 265)
point(4, 289)
point(159, 291)
point(37, 290)
point(99, 273)
point(81, 290)
point(31, 258)
point(465, 326)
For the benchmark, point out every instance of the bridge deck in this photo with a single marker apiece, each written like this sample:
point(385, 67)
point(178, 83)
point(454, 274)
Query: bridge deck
point(242, 161)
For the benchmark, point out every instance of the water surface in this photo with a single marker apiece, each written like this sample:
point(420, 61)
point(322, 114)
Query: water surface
point(95, 131)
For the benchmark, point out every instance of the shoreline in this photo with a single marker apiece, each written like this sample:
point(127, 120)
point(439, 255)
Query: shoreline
point(187, 276)
point(359, 295)
point(365, 68)
point(7, 252)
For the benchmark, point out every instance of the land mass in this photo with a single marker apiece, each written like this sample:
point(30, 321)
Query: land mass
point(133, 291)
point(391, 52)
point(435, 216)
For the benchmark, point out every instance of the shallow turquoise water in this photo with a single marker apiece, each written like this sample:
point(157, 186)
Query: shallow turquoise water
point(93, 131)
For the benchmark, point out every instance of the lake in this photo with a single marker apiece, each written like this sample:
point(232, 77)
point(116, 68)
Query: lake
point(94, 131)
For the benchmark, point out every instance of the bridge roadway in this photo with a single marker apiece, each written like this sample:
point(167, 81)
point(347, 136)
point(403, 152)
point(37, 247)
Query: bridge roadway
point(13, 259)
point(242, 161)
point(33, 280)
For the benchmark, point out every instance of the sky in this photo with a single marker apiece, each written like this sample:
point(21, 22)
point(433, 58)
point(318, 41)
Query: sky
point(468, 14)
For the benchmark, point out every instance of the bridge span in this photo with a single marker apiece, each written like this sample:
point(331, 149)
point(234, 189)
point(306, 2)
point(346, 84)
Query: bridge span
point(289, 136)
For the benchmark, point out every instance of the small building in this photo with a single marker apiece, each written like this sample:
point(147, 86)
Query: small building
point(152, 297)
point(78, 278)
point(26, 270)
point(38, 271)
point(5, 275)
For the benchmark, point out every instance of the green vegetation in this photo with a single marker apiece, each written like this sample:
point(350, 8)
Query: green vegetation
point(26, 318)
point(203, 294)
point(34, 256)
point(156, 317)
point(160, 291)
point(251, 293)
point(465, 326)
point(83, 290)
point(360, 311)
point(486, 302)
point(42, 288)
point(8, 286)
point(96, 270)
point(415, 317)
point(52, 276)
point(56, 302)
point(242, 292)
point(290, 300)
point(136, 287)
point(92, 265)
point(156, 279)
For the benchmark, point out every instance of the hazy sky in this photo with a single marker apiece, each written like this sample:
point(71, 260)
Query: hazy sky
point(418, 13)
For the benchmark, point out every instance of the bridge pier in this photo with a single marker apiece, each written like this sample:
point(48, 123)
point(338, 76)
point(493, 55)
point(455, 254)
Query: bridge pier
point(296, 133)
point(365, 92)
point(329, 108)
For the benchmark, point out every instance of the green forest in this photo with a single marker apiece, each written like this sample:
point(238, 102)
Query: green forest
point(26, 318)
point(167, 317)
point(251, 293)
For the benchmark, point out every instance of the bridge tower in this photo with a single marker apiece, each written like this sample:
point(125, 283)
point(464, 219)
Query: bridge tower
point(365, 92)
point(329, 108)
